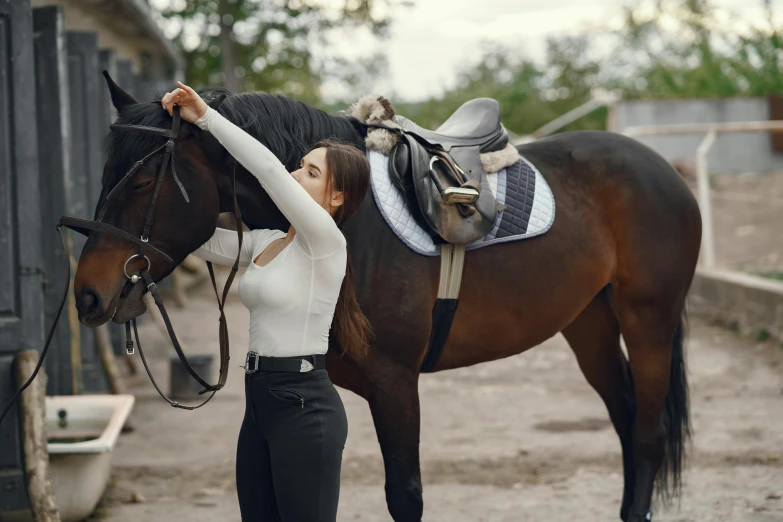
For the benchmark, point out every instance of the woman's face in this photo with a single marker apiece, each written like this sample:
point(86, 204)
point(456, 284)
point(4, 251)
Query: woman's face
point(314, 177)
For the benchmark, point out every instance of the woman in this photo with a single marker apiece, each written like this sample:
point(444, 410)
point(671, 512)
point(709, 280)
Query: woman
point(292, 437)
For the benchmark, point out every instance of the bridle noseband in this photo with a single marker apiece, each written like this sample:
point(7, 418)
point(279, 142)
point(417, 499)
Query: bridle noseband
point(145, 249)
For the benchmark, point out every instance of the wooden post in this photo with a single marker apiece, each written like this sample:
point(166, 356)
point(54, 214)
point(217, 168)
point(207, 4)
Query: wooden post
point(705, 204)
point(178, 293)
point(36, 454)
point(22, 267)
point(56, 196)
point(130, 365)
point(707, 255)
point(86, 130)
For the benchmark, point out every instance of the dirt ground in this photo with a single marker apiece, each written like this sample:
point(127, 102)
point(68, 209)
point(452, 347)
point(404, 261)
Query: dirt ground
point(521, 439)
point(747, 218)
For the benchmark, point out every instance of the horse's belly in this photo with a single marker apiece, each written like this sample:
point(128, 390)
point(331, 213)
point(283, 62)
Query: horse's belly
point(517, 297)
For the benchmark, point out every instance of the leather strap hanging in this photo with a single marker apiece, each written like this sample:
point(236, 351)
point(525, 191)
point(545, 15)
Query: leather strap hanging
point(223, 336)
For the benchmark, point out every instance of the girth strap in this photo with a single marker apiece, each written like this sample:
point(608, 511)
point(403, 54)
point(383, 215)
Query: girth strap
point(452, 258)
point(452, 261)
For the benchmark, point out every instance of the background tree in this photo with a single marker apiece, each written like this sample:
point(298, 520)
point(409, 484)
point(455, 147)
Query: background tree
point(530, 95)
point(664, 49)
point(267, 45)
point(700, 56)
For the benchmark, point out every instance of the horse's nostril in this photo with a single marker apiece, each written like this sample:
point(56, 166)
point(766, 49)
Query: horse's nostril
point(89, 303)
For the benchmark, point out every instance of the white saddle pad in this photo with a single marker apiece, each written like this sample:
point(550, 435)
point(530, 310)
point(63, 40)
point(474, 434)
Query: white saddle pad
point(521, 187)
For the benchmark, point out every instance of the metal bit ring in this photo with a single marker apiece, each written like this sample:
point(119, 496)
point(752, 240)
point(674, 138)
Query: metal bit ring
point(135, 278)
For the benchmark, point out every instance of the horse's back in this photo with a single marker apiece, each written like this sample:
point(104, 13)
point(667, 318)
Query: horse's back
point(607, 156)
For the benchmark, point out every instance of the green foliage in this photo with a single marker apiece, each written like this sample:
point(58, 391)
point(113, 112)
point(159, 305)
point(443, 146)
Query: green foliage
point(701, 56)
point(676, 49)
point(529, 95)
point(664, 49)
point(264, 45)
point(512, 81)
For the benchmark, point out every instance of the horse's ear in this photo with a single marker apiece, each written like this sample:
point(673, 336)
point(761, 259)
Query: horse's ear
point(119, 98)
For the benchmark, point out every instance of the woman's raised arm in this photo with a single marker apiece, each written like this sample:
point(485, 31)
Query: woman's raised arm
point(314, 226)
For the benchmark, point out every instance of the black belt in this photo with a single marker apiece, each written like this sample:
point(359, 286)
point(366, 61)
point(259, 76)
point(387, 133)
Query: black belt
point(298, 364)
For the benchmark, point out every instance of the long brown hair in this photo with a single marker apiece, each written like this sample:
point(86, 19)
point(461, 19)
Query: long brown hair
point(348, 172)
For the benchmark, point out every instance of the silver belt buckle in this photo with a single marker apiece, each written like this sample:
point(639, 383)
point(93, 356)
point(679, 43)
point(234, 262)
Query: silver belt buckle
point(247, 365)
point(306, 366)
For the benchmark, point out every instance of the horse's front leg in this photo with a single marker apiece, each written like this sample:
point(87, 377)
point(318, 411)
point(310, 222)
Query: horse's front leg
point(394, 402)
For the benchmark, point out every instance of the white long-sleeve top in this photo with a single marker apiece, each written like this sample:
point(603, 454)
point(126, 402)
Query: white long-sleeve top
point(292, 298)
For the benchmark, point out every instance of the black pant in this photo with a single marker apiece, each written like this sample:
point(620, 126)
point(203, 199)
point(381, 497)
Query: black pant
point(290, 448)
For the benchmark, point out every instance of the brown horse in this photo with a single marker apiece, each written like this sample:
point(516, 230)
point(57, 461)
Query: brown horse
point(618, 260)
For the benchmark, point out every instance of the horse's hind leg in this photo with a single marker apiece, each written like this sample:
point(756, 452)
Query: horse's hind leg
point(394, 403)
point(594, 336)
point(652, 330)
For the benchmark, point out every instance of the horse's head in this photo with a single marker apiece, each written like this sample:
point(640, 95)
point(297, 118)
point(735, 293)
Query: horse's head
point(179, 226)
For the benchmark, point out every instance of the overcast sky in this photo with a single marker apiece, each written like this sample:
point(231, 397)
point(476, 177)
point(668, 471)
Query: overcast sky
point(430, 41)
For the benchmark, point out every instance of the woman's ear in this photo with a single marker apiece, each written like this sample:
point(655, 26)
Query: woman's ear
point(338, 198)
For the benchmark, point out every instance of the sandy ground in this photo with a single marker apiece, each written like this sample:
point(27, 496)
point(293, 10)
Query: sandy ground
point(522, 439)
point(747, 217)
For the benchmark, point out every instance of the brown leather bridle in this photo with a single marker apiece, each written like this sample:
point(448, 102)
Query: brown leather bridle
point(88, 227)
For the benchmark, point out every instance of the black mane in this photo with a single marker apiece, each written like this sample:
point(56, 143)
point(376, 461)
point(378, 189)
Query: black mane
point(287, 127)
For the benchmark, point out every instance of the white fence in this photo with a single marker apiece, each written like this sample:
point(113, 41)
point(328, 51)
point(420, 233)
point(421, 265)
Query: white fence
point(709, 130)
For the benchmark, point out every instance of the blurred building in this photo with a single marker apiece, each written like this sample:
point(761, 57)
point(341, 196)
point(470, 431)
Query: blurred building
point(739, 152)
point(128, 28)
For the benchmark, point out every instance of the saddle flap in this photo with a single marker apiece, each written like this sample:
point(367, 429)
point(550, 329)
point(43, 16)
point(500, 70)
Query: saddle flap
point(429, 176)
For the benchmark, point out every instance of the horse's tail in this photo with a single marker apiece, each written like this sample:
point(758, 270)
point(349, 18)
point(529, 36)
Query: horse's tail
point(676, 420)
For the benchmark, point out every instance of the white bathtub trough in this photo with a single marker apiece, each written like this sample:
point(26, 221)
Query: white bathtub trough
point(81, 470)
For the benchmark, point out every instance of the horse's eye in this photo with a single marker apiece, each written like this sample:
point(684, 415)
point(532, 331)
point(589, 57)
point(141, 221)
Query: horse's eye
point(139, 187)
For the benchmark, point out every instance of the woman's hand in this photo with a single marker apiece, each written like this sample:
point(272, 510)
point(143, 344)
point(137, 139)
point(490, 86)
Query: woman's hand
point(191, 106)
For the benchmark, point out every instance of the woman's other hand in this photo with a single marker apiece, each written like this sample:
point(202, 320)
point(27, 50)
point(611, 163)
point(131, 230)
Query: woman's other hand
point(191, 106)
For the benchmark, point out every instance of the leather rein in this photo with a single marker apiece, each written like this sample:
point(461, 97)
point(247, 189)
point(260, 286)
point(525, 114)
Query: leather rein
point(88, 227)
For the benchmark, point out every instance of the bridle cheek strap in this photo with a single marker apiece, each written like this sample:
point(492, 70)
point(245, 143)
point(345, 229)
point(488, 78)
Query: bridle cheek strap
point(86, 227)
point(142, 242)
point(223, 336)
